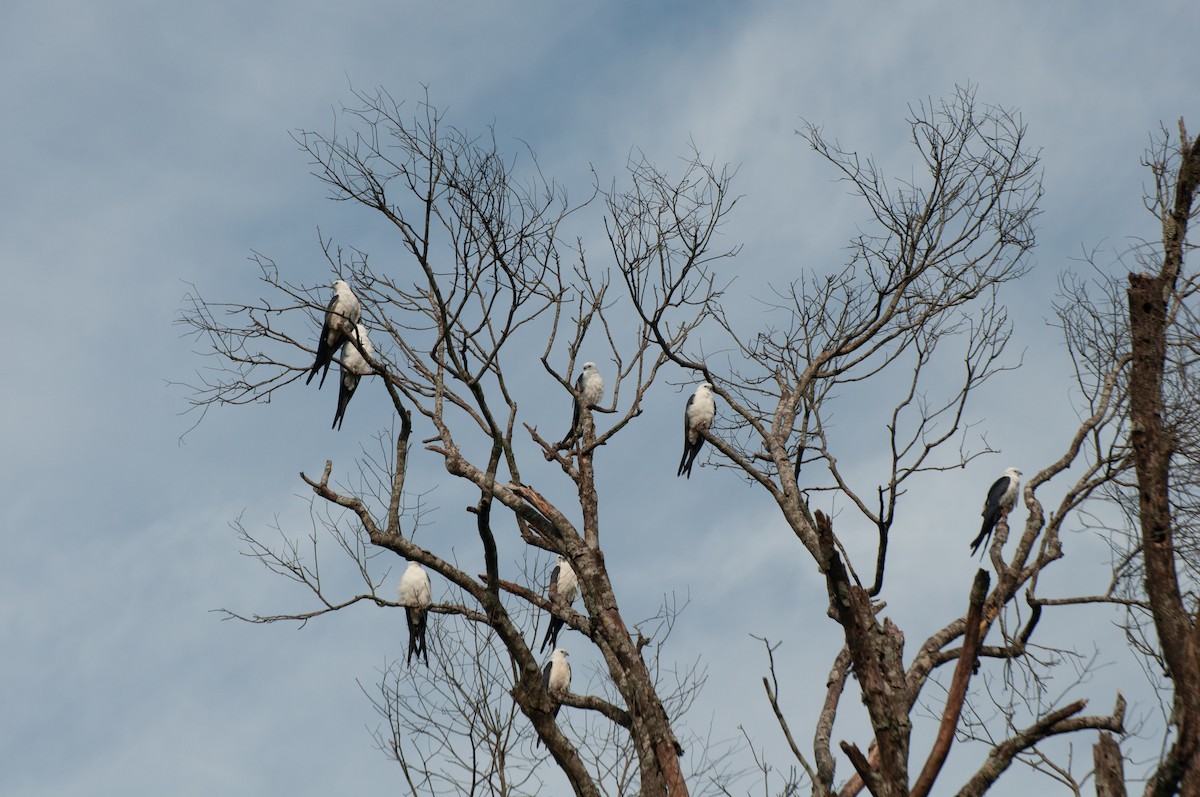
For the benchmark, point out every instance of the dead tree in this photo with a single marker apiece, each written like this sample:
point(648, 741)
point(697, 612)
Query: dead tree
point(1157, 567)
point(489, 277)
point(489, 271)
point(919, 291)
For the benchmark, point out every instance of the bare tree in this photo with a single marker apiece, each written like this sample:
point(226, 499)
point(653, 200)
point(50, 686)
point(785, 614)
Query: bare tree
point(492, 272)
point(490, 278)
point(1157, 570)
point(920, 288)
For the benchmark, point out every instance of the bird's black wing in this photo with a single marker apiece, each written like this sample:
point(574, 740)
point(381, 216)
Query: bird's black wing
point(575, 409)
point(991, 513)
point(996, 494)
point(570, 438)
point(551, 637)
point(325, 345)
point(349, 383)
point(422, 626)
point(411, 614)
point(684, 465)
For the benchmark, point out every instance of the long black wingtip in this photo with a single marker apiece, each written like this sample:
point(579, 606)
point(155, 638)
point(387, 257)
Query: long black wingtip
point(685, 464)
point(981, 542)
point(551, 637)
point(340, 415)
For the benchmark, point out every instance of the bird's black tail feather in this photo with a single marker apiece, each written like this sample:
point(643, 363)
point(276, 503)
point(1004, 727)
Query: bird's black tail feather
point(689, 458)
point(417, 622)
point(345, 393)
point(571, 436)
point(551, 637)
point(325, 352)
point(985, 534)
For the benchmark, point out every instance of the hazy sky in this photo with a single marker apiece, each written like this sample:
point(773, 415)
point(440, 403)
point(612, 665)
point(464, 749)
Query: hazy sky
point(146, 148)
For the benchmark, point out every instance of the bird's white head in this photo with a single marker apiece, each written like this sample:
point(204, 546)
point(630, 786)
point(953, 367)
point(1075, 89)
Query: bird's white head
point(562, 560)
point(589, 366)
point(417, 565)
point(706, 386)
point(1012, 473)
point(340, 286)
point(559, 653)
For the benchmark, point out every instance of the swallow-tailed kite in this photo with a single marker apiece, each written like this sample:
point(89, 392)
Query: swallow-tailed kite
point(697, 416)
point(564, 586)
point(590, 387)
point(1000, 501)
point(415, 594)
point(556, 676)
point(354, 367)
point(343, 313)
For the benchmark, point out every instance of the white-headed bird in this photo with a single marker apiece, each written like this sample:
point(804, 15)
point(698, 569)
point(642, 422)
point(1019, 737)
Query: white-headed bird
point(417, 597)
point(556, 679)
point(556, 676)
point(589, 388)
point(564, 587)
point(343, 313)
point(354, 367)
point(1000, 501)
point(697, 417)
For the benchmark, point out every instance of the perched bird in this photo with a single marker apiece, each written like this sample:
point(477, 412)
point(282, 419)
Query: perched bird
point(556, 676)
point(354, 367)
point(343, 313)
point(564, 587)
point(590, 388)
point(1000, 501)
point(416, 596)
point(697, 416)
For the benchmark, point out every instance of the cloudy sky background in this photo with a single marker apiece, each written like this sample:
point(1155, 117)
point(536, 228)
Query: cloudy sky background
point(146, 147)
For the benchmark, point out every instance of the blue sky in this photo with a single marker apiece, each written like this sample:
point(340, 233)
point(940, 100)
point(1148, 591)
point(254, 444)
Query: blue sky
point(146, 147)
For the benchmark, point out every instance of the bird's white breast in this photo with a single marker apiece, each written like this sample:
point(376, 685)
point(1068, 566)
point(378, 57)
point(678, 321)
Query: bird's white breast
point(351, 357)
point(347, 307)
point(414, 587)
point(701, 410)
point(560, 676)
point(568, 583)
point(593, 388)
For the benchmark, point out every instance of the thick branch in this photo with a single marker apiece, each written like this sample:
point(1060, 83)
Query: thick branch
point(1110, 767)
point(1056, 722)
point(958, 689)
point(877, 653)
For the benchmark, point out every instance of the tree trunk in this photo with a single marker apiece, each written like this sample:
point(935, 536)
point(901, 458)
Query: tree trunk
point(1110, 767)
point(877, 652)
point(1152, 449)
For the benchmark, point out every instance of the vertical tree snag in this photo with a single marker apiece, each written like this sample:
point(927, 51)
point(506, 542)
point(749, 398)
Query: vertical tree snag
point(877, 654)
point(1150, 297)
point(958, 687)
point(1110, 767)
